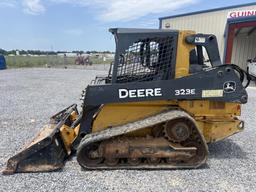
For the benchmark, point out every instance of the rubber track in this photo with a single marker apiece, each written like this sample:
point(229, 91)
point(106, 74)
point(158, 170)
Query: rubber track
point(134, 126)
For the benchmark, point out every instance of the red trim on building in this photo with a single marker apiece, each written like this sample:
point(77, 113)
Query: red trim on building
point(231, 36)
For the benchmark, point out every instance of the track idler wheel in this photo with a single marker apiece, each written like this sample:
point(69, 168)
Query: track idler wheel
point(153, 160)
point(133, 161)
point(90, 155)
point(112, 162)
point(177, 131)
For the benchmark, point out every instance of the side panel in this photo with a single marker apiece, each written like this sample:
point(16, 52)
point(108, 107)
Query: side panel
point(211, 108)
point(215, 129)
point(215, 120)
point(111, 115)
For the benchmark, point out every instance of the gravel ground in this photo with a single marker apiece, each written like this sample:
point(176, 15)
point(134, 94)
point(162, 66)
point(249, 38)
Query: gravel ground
point(30, 96)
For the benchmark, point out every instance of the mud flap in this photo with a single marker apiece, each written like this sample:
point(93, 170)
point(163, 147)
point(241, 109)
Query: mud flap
point(47, 151)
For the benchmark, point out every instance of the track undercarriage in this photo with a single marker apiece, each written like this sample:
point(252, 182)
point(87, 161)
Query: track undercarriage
point(175, 143)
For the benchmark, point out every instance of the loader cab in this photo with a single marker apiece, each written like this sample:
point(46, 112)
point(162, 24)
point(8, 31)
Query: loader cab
point(144, 55)
point(150, 54)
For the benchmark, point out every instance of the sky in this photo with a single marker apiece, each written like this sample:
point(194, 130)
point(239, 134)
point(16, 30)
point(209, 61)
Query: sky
point(66, 25)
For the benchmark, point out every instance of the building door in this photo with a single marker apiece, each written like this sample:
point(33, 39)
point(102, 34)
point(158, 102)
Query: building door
point(241, 41)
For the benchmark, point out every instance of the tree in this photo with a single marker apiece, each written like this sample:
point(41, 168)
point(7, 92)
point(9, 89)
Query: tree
point(3, 52)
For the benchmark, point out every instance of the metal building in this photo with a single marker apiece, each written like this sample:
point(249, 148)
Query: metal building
point(234, 27)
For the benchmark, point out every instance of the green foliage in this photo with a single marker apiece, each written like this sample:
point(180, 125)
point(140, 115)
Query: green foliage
point(3, 52)
point(39, 52)
point(37, 58)
point(47, 60)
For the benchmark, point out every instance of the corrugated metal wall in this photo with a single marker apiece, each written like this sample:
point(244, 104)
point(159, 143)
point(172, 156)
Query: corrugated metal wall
point(244, 48)
point(210, 22)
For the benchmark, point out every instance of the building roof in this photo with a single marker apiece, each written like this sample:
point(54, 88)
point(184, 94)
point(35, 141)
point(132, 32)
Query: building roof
point(206, 11)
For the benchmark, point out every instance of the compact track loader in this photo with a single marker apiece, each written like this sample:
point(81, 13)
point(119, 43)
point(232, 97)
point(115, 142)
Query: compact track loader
point(157, 108)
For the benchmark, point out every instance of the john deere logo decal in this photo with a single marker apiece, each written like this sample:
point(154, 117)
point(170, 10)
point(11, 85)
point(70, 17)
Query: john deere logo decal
point(229, 87)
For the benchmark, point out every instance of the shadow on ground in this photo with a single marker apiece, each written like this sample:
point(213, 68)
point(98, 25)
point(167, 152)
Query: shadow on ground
point(226, 149)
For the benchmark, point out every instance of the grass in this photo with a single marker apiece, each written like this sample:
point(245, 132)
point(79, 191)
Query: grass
point(42, 61)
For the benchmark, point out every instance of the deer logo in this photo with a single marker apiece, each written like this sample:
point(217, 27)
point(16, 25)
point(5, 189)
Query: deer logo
point(229, 86)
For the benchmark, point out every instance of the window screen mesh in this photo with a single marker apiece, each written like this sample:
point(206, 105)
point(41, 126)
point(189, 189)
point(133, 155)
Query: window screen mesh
point(147, 60)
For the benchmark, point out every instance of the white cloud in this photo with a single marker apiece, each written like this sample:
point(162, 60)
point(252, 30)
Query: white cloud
point(114, 10)
point(148, 23)
point(8, 3)
point(117, 10)
point(133, 9)
point(33, 7)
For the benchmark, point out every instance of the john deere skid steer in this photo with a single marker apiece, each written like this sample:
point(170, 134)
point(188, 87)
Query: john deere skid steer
point(158, 107)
